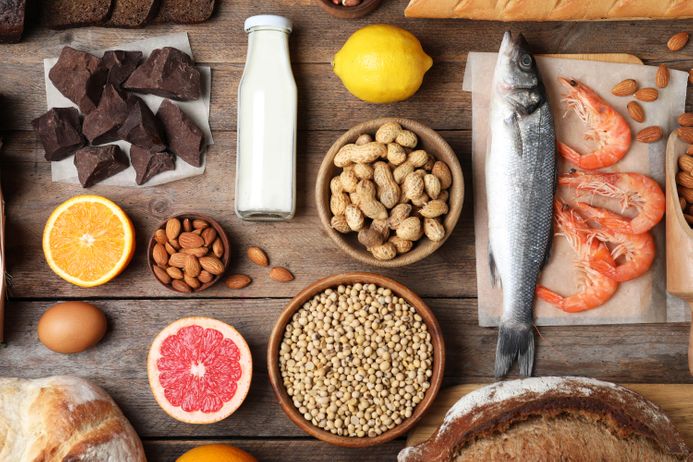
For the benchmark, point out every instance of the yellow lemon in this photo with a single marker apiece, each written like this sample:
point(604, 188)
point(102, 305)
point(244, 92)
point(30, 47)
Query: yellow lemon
point(216, 453)
point(382, 64)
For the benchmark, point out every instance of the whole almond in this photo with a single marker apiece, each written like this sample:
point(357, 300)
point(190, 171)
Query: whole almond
point(187, 226)
point(161, 275)
point(177, 260)
point(686, 163)
point(212, 265)
point(678, 41)
point(649, 134)
point(197, 251)
point(189, 240)
point(169, 249)
point(238, 281)
point(218, 248)
point(281, 274)
point(647, 95)
point(174, 243)
point(160, 255)
point(690, 76)
point(180, 286)
point(258, 256)
point(192, 266)
point(625, 88)
point(689, 218)
point(174, 273)
point(684, 179)
point(686, 193)
point(209, 235)
point(198, 231)
point(205, 277)
point(686, 134)
point(173, 228)
point(192, 282)
point(682, 203)
point(686, 119)
point(636, 112)
point(662, 77)
point(160, 236)
point(689, 150)
point(199, 224)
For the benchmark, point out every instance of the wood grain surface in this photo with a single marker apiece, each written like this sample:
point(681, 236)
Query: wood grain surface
point(138, 307)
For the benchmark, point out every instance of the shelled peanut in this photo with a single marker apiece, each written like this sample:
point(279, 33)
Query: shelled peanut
point(186, 254)
point(389, 192)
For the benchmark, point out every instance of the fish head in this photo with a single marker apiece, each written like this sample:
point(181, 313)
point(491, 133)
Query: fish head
point(517, 79)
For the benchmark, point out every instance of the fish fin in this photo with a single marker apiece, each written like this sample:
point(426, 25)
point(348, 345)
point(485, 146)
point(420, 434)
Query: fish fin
point(495, 278)
point(514, 341)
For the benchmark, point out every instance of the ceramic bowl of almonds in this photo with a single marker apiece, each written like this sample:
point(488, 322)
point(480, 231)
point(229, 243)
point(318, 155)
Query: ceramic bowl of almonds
point(188, 253)
point(390, 192)
point(356, 359)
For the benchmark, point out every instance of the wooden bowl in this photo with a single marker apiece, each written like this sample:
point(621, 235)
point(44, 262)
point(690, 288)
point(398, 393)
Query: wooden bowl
point(220, 233)
point(350, 12)
point(352, 278)
point(431, 142)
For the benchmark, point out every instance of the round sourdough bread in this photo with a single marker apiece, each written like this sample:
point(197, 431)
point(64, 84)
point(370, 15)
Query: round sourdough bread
point(552, 418)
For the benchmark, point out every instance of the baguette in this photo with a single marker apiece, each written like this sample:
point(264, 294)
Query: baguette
point(551, 10)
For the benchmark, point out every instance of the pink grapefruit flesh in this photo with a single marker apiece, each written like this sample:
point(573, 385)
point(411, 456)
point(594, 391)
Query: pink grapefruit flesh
point(199, 370)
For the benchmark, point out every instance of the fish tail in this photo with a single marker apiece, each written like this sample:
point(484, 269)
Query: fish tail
point(515, 341)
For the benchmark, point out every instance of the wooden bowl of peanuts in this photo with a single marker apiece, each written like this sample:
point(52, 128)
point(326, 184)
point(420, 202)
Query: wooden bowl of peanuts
point(389, 192)
point(392, 355)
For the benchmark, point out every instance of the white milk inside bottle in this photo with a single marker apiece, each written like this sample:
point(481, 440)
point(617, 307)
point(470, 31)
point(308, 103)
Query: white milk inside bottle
point(267, 101)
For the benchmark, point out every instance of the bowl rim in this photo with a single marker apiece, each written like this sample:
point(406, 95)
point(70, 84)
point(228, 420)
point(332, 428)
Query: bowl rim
point(419, 252)
point(437, 373)
point(220, 233)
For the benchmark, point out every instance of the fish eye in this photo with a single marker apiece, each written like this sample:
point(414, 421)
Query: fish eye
point(525, 61)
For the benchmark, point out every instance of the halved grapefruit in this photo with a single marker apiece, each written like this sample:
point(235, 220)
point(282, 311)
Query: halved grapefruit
point(199, 370)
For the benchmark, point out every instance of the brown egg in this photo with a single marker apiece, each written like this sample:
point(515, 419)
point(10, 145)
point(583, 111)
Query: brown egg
point(71, 327)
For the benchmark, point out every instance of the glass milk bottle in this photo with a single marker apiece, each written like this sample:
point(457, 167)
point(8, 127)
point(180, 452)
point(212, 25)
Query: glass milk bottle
point(267, 101)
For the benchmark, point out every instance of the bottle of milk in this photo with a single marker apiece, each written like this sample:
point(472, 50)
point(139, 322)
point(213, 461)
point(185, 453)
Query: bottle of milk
point(267, 101)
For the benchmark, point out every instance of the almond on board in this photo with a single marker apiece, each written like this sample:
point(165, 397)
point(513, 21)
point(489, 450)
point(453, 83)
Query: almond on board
point(238, 281)
point(678, 41)
point(281, 274)
point(258, 256)
point(636, 112)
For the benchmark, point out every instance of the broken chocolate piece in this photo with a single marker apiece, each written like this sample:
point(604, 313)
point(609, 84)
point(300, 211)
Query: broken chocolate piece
point(101, 125)
point(148, 164)
point(60, 132)
point(120, 65)
point(80, 77)
point(169, 73)
point(96, 163)
point(185, 139)
point(141, 127)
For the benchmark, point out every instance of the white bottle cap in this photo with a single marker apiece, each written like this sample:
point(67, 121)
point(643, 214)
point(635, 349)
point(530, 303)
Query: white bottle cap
point(268, 20)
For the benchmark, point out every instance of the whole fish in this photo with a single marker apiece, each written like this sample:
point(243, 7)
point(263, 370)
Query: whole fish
point(520, 185)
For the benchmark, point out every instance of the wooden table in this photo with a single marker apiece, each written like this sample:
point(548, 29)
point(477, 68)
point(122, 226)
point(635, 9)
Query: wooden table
point(138, 307)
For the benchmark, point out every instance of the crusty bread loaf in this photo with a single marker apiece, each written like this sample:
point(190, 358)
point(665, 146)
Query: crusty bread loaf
point(550, 10)
point(132, 13)
point(59, 419)
point(184, 11)
point(12, 15)
point(570, 419)
point(63, 14)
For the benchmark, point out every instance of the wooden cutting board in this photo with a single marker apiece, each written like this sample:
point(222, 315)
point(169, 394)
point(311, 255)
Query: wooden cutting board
point(675, 399)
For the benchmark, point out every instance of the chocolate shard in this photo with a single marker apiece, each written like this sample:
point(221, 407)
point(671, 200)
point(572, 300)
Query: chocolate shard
point(101, 125)
point(148, 163)
point(141, 127)
point(120, 64)
point(96, 163)
point(185, 139)
point(169, 73)
point(80, 77)
point(60, 132)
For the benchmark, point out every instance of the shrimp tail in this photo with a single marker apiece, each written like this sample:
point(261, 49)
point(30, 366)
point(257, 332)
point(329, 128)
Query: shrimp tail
point(569, 153)
point(515, 341)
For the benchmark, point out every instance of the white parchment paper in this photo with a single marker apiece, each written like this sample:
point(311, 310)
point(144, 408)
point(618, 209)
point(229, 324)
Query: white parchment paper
point(639, 301)
point(64, 171)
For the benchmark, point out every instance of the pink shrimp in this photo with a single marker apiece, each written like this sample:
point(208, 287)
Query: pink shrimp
point(606, 127)
point(638, 252)
point(594, 288)
point(631, 189)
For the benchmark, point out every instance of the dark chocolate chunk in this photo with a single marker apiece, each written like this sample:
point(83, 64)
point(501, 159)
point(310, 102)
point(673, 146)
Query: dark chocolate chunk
point(148, 164)
point(169, 73)
point(141, 127)
point(185, 139)
point(96, 163)
point(60, 132)
point(101, 125)
point(80, 77)
point(120, 65)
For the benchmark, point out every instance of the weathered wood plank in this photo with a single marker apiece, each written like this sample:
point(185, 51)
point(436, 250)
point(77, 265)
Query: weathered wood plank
point(625, 354)
point(300, 244)
point(268, 450)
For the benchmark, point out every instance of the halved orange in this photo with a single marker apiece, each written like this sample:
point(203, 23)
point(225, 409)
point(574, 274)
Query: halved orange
point(88, 240)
